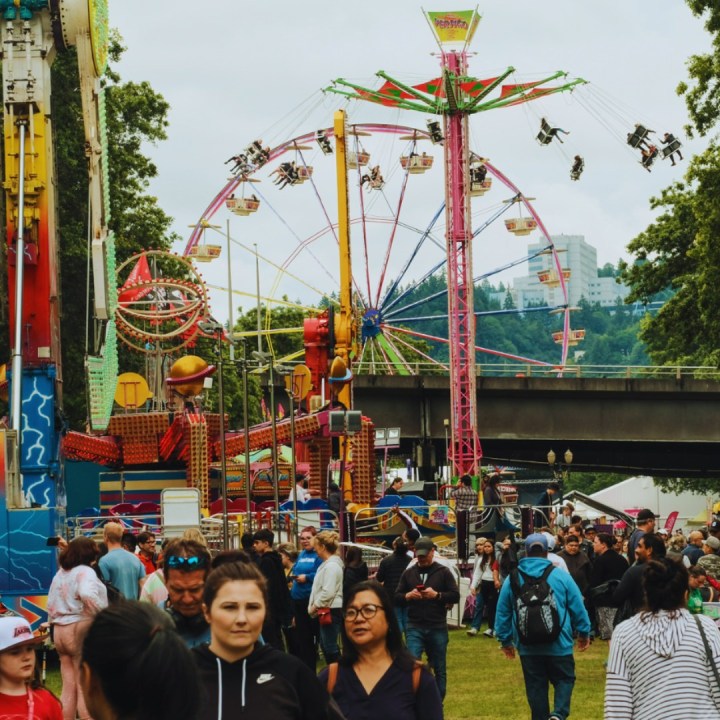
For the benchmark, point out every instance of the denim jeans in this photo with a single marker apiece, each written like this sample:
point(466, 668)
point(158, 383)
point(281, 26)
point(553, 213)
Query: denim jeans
point(485, 599)
point(434, 642)
point(401, 613)
point(539, 671)
point(329, 637)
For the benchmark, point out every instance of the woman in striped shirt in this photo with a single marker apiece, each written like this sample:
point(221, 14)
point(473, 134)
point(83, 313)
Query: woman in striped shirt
point(659, 665)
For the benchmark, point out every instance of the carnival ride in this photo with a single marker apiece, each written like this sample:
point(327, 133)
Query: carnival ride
point(162, 301)
point(382, 302)
point(32, 494)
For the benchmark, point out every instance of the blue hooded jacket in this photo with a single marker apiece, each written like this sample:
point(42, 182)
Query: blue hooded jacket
point(571, 610)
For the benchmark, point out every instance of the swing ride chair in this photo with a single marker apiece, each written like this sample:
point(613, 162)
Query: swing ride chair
point(545, 136)
point(577, 170)
point(638, 137)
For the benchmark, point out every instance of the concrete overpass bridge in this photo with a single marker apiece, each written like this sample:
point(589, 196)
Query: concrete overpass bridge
point(668, 426)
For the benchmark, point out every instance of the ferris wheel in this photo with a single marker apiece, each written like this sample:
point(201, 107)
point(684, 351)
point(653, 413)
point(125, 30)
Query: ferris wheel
point(398, 260)
point(382, 290)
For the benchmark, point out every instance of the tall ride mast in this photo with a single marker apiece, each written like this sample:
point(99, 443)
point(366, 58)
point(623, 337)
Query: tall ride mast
point(455, 96)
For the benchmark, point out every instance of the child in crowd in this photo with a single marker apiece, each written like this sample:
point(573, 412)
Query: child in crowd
point(21, 695)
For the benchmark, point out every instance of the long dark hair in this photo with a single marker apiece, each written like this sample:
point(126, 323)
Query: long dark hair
point(125, 647)
point(487, 559)
point(393, 640)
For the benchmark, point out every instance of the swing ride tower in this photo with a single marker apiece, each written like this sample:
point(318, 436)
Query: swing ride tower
point(454, 96)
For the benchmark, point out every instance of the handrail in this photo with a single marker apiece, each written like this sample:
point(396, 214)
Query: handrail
point(508, 369)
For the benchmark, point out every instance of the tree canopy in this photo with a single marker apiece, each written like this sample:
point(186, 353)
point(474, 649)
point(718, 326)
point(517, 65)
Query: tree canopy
point(678, 253)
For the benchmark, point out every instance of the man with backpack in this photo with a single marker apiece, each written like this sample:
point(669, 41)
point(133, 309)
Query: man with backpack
point(539, 609)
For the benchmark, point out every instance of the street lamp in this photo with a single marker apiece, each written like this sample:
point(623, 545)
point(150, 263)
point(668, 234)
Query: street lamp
point(561, 470)
point(266, 358)
point(244, 366)
point(289, 374)
point(216, 330)
point(446, 423)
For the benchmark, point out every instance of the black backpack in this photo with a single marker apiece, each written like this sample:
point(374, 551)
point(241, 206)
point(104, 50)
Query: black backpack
point(536, 611)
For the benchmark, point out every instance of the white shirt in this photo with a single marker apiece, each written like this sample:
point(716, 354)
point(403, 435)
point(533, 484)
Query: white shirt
point(75, 595)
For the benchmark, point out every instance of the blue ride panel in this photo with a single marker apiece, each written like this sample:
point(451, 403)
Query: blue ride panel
point(27, 564)
point(39, 440)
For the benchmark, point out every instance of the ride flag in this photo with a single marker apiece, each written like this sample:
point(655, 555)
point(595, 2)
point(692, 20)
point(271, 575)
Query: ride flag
point(455, 26)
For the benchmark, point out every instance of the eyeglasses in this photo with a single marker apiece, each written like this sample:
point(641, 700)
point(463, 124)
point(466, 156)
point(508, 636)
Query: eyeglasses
point(367, 611)
point(186, 563)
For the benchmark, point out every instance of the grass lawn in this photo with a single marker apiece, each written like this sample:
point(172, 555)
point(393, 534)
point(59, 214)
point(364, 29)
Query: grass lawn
point(483, 685)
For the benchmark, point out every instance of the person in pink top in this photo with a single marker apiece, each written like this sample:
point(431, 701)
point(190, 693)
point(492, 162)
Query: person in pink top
point(76, 596)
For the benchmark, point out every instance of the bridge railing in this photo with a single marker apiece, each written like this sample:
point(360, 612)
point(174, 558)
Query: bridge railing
point(677, 372)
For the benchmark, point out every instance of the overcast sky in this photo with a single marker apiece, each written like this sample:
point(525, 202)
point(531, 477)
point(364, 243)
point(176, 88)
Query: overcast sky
point(234, 71)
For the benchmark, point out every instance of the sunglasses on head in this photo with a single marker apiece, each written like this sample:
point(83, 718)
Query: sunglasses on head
point(185, 563)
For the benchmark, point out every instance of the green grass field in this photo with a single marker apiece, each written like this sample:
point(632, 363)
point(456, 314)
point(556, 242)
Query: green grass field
point(483, 685)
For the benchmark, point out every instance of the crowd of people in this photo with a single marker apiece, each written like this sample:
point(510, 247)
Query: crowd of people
point(241, 631)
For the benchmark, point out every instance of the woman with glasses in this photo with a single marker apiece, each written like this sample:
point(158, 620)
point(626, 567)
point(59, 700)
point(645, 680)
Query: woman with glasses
point(242, 678)
point(376, 676)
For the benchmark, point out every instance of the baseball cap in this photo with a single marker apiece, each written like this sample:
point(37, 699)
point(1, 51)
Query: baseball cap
point(16, 631)
point(645, 515)
point(536, 539)
point(714, 526)
point(423, 546)
point(663, 531)
point(712, 542)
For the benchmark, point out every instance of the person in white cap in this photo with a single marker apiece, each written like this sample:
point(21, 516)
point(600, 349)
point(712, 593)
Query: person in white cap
point(20, 693)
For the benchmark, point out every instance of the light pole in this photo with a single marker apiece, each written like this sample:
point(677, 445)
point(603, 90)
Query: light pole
point(266, 358)
point(246, 428)
point(216, 329)
point(561, 470)
point(289, 374)
point(446, 423)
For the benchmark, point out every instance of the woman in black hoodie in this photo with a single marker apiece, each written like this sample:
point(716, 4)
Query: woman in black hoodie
point(241, 678)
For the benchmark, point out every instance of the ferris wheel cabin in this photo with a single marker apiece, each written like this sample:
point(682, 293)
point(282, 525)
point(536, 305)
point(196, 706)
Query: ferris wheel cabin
point(521, 225)
point(416, 164)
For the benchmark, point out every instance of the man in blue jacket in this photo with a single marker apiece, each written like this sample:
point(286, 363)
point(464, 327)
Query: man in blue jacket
point(550, 662)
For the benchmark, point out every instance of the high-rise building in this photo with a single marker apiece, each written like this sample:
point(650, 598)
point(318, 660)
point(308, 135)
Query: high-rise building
point(575, 255)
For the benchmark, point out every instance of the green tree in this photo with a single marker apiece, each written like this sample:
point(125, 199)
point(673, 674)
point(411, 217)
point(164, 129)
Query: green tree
point(702, 94)
point(679, 252)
